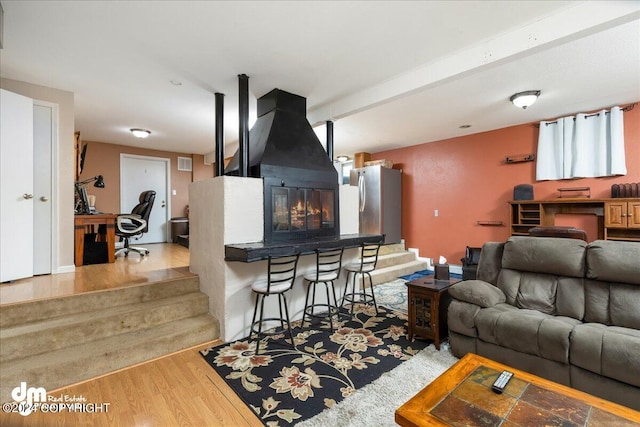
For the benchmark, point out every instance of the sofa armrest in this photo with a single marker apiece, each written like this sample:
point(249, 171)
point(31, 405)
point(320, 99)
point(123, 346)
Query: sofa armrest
point(477, 292)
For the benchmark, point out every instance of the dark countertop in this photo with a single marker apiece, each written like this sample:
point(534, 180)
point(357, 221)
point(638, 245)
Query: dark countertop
point(249, 252)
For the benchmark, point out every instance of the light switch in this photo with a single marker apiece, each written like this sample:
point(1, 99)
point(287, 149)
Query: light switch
point(174, 192)
point(435, 212)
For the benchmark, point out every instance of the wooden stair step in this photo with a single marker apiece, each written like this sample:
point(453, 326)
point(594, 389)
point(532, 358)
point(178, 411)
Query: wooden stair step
point(395, 259)
point(65, 331)
point(388, 274)
point(38, 310)
point(70, 365)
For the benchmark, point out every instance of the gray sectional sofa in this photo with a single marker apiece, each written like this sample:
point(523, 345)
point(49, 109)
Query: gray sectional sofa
point(561, 309)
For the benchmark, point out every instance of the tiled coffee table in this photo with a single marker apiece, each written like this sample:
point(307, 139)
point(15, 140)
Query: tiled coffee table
point(462, 396)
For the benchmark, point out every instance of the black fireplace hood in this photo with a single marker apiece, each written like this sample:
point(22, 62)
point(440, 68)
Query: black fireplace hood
point(282, 143)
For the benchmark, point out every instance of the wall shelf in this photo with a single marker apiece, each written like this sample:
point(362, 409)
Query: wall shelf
point(491, 223)
point(520, 158)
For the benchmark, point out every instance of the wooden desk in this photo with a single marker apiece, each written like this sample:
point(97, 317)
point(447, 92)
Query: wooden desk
point(463, 396)
point(618, 219)
point(80, 224)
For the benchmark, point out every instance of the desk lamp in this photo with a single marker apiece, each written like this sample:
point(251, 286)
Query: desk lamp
point(82, 204)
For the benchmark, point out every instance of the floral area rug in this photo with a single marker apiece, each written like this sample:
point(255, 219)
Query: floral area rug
point(285, 384)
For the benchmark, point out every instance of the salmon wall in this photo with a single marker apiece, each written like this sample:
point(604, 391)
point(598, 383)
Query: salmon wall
point(104, 159)
point(466, 180)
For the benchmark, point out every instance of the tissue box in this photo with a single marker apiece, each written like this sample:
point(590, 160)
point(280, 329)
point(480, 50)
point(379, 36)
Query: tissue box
point(441, 271)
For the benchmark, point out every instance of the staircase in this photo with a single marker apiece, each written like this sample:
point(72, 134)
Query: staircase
point(57, 342)
point(395, 261)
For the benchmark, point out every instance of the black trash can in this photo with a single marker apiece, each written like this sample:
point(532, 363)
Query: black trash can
point(94, 252)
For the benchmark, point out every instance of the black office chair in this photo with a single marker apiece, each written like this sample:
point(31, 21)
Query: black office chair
point(135, 224)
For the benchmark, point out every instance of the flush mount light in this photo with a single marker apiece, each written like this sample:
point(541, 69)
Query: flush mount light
point(342, 158)
point(525, 99)
point(140, 133)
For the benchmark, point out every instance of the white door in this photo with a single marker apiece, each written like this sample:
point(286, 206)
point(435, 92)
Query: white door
point(141, 173)
point(44, 122)
point(16, 185)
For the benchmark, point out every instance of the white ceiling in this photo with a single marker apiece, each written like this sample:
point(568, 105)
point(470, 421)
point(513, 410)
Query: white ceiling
point(389, 73)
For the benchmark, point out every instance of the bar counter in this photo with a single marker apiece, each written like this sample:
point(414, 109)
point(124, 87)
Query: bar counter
point(250, 252)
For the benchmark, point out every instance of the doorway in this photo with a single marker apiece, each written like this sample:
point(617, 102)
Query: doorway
point(142, 173)
point(28, 146)
point(45, 134)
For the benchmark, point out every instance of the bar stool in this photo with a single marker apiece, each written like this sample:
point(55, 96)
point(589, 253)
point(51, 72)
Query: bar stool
point(281, 273)
point(328, 265)
point(362, 268)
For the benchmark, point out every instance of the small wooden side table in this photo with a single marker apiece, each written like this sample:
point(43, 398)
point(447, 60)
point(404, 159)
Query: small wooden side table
point(428, 301)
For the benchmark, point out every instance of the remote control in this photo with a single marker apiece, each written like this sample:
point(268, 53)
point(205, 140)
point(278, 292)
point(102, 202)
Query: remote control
point(501, 382)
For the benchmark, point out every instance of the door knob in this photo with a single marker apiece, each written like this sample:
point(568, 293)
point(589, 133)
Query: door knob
point(27, 196)
point(44, 198)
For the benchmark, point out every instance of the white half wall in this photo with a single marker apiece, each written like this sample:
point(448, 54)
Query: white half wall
point(349, 205)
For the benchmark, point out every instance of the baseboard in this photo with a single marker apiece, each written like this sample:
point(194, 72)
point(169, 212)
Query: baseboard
point(64, 269)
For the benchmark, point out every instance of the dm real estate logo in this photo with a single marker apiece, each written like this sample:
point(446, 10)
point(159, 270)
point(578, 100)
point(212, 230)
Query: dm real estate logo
point(28, 399)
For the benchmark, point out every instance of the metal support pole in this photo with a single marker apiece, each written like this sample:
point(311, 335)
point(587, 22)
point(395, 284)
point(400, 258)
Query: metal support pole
point(330, 139)
point(243, 111)
point(219, 134)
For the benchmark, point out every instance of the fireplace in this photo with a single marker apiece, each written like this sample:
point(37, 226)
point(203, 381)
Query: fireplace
point(299, 212)
point(300, 182)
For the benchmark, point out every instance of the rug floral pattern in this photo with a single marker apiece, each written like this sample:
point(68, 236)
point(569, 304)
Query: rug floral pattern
point(285, 384)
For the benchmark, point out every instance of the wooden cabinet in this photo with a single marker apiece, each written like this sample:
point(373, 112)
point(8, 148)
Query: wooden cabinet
point(622, 219)
point(428, 301)
point(618, 219)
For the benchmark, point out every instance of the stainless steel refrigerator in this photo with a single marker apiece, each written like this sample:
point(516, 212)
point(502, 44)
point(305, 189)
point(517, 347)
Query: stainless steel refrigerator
point(380, 192)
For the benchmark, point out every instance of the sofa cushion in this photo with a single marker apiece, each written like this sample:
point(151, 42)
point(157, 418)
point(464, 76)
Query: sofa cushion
point(614, 261)
point(526, 331)
point(529, 290)
point(611, 351)
point(537, 292)
point(560, 257)
point(477, 292)
point(570, 297)
point(624, 305)
point(612, 304)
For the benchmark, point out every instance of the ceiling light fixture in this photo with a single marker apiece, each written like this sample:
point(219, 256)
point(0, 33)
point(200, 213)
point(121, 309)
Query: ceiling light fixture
point(525, 99)
point(140, 133)
point(342, 158)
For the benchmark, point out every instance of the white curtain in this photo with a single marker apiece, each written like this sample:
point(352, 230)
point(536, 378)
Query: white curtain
point(584, 146)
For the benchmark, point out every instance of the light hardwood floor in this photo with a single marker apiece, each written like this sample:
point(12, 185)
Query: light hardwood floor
point(180, 389)
point(166, 260)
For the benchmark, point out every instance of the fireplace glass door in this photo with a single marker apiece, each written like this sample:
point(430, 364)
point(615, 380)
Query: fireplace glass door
point(302, 209)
